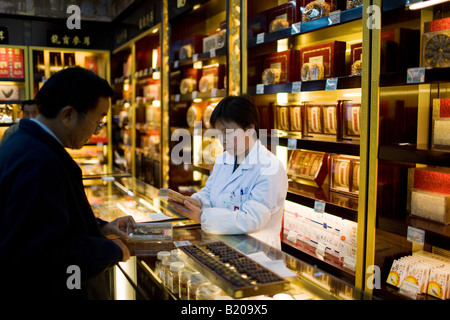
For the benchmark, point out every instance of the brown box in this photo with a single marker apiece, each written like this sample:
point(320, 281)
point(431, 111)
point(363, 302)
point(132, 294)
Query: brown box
point(330, 54)
point(287, 62)
point(309, 168)
point(289, 12)
point(283, 117)
point(296, 117)
point(321, 120)
point(344, 175)
point(216, 72)
point(351, 121)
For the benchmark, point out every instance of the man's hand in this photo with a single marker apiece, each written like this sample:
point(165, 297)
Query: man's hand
point(117, 228)
point(188, 209)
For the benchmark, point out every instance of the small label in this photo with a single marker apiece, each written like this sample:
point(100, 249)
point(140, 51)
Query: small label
point(416, 235)
point(410, 289)
point(331, 84)
point(296, 87)
point(194, 94)
point(415, 75)
point(320, 249)
point(349, 263)
point(319, 206)
point(213, 92)
point(292, 236)
point(296, 28)
point(292, 144)
point(182, 243)
point(176, 63)
point(260, 38)
point(195, 57)
point(334, 17)
point(177, 97)
point(260, 88)
point(212, 53)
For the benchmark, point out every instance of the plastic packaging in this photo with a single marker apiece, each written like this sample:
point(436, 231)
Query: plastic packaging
point(195, 280)
point(160, 231)
point(173, 276)
point(185, 275)
point(158, 263)
point(207, 291)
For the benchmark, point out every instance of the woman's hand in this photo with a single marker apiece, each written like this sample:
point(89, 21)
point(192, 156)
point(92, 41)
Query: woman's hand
point(188, 209)
point(117, 228)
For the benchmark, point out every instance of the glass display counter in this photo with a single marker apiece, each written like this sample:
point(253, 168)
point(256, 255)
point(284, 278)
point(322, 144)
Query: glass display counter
point(297, 280)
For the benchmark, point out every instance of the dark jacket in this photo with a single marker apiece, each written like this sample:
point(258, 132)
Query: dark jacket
point(46, 222)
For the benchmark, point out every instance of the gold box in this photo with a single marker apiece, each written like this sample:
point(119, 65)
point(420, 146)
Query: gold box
point(431, 205)
point(344, 175)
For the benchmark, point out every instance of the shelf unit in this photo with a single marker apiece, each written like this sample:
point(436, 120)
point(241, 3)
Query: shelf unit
point(262, 45)
point(13, 83)
point(136, 80)
point(198, 54)
point(402, 142)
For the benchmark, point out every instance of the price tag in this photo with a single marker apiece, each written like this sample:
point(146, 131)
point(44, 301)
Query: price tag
point(182, 243)
point(195, 57)
point(349, 263)
point(260, 88)
point(296, 28)
point(416, 235)
point(415, 75)
point(292, 144)
point(334, 17)
point(212, 53)
point(194, 94)
point(260, 38)
point(410, 289)
point(176, 63)
point(331, 84)
point(320, 249)
point(319, 206)
point(296, 87)
point(213, 92)
point(177, 97)
point(292, 236)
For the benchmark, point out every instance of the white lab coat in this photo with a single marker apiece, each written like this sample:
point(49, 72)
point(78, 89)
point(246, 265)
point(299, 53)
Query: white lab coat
point(248, 201)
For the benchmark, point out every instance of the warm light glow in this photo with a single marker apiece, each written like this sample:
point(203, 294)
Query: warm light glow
point(154, 58)
point(198, 65)
point(424, 4)
point(282, 98)
point(156, 75)
point(352, 94)
point(197, 6)
point(197, 100)
point(156, 103)
point(282, 45)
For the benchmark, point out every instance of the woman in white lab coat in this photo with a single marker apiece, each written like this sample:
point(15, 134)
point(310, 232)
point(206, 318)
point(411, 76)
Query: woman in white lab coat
point(246, 190)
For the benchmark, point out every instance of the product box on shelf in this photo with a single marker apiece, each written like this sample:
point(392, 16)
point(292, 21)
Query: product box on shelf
point(353, 4)
point(283, 16)
point(321, 120)
point(344, 175)
point(4, 63)
point(351, 121)
point(190, 80)
point(188, 46)
point(312, 10)
point(286, 62)
point(355, 58)
point(309, 168)
point(16, 56)
point(296, 117)
point(282, 117)
point(441, 123)
point(431, 205)
point(436, 43)
point(266, 116)
point(330, 55)
point(254, 70)
point(195, 112)
point(212, 77)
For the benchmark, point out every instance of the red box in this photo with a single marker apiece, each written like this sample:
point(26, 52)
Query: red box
point(330, 54)
point(217, 71)
point(4, 63)
point(437, 25)
point(432, 179)
point(441, 108)
point(17, 63)
point(309, 168)
point(289, 11)
point(287, 62)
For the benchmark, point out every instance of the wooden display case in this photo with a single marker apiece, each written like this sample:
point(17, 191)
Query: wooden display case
point(403, 143)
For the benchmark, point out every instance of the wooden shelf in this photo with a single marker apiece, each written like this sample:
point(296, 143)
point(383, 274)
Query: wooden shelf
point(200, 57)
point(414, 154)
point(346, 82)
point(432, 75)
point(347, 147)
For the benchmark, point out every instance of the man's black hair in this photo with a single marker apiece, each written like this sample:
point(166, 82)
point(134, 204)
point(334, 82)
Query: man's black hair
point(76, 87)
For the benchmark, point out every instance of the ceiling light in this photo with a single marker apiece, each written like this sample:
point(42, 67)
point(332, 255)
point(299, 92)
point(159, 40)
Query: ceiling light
point(414, 5)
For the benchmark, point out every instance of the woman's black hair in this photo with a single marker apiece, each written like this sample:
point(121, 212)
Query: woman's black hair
point(76, 87)
point(239, 109)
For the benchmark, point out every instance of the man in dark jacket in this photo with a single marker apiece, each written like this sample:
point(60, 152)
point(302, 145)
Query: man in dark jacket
point(49, 235)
